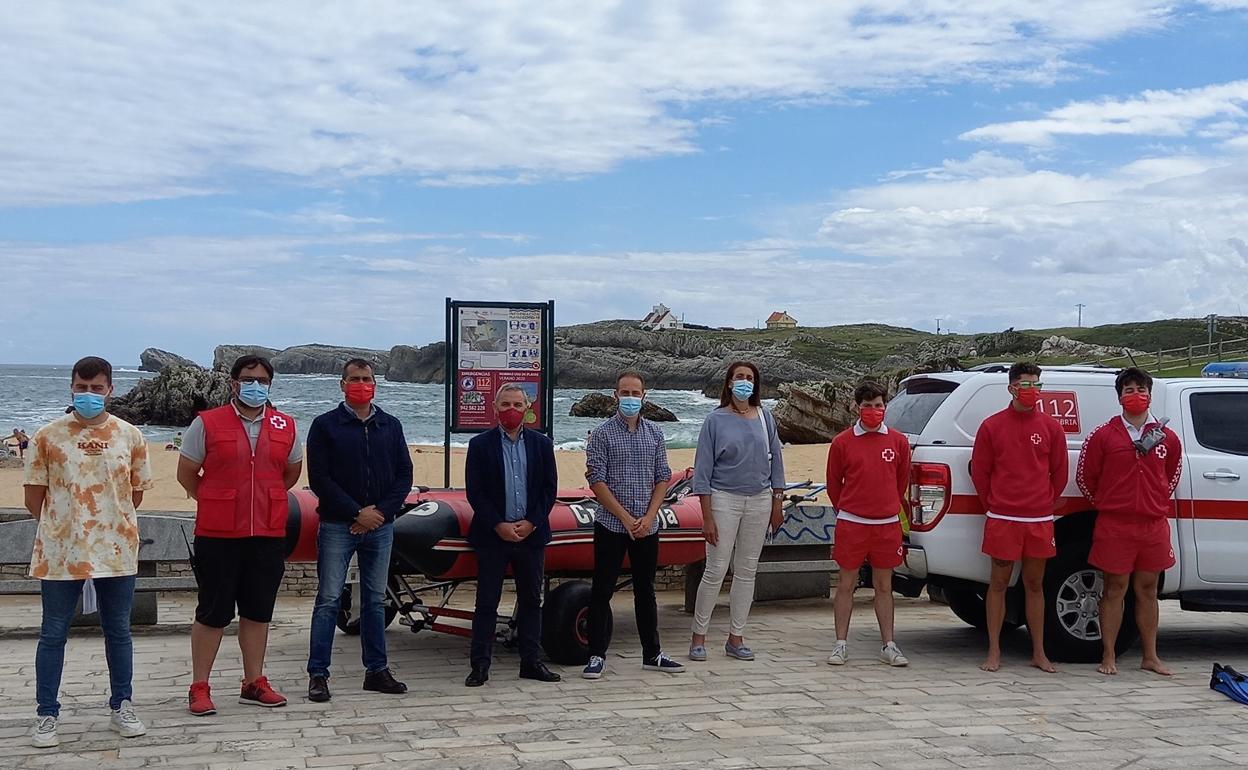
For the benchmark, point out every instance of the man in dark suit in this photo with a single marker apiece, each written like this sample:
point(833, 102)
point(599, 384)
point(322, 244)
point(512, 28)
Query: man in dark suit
point(511, 481)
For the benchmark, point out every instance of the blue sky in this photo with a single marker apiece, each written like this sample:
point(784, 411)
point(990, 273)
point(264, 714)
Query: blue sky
point(177, 178)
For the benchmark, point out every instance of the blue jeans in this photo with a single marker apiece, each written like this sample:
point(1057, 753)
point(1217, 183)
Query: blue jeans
point(60, 599)
point(334, 546)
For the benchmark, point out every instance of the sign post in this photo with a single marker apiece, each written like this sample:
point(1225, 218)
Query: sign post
point(489, 344)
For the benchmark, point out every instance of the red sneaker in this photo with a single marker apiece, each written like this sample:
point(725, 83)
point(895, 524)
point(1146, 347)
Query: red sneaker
point(201, 704)
point(261, 693)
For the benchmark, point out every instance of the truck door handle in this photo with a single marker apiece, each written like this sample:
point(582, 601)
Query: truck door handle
point(1221, 475)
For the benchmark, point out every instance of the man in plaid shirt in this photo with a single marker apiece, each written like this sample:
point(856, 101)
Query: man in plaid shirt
point(627, 468)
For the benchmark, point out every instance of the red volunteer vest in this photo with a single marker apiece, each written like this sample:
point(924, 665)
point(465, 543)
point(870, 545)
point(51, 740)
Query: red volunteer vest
point(241, 495)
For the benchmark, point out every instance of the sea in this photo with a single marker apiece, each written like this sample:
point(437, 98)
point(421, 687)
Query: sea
point(33, 395)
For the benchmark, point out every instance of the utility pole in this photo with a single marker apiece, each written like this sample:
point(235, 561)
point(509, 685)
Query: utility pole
point(1081, 306)
point(1212, 318)
point(938, 320)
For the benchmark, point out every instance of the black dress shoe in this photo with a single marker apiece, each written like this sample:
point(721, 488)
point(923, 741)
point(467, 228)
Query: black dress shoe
point(539, 672)
point(383, 681)
point(318, 689)
point(477, 677)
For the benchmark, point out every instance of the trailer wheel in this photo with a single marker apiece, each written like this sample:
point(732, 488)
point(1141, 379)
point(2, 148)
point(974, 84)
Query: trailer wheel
point(349, 623)
point(1072, 622)
point(968, 605)
point(565, 623)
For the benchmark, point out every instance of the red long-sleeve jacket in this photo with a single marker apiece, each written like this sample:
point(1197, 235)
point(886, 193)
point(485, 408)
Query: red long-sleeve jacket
point(1119, 481)
point(1019, 464)
point(869, 472)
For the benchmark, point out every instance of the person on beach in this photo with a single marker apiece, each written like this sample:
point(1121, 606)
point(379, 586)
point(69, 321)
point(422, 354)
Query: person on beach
point(739, 477)
point(1129, 468)
point(510, 479)
point(626, 467)
point(868, 476)
point(1019, 465)
point(20, 440)
point(83, 483)
point(361, 473)
point(237, 462)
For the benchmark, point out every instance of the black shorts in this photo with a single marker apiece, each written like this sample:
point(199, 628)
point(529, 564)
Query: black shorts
point(245, 572)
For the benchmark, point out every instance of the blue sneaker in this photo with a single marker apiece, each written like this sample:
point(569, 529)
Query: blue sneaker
point(742, 652)
point(697, 652)
point(664, 664)
point(594, 669)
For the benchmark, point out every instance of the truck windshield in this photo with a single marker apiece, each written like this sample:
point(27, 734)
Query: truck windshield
point(913, 406)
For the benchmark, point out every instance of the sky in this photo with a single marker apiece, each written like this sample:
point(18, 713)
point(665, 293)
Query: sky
point(181, 175)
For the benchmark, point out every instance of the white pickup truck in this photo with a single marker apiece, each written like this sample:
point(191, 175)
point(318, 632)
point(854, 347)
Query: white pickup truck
point(940, 413)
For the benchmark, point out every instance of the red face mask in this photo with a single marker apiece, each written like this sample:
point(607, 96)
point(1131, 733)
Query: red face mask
point(361, 392)
point(1027, 397)
point(1136, 403)
point(510, 419)
point(872, 416)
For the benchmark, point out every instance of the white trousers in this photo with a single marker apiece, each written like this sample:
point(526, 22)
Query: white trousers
point(742, 523)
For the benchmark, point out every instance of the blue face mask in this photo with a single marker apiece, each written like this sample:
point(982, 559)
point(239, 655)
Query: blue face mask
point(253, 394)
point(88, 405)
point(630, 406)
point(743, 389)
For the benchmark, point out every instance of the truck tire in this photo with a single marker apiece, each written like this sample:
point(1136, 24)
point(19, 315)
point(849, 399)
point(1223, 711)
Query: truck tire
point(968, 605)
point(349, 623)
point(565, 624)
point(1072, 591)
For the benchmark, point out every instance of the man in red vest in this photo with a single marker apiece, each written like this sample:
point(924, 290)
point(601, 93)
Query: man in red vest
point(238, 461)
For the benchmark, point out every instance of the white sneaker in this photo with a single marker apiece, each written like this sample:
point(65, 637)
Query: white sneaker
point(840, 654)
point(892, 656)
point(45, 733)
point(125, 722)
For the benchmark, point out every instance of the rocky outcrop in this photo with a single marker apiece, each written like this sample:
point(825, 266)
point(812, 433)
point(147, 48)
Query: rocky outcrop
point(173, 397)
point(155, 359)
point(413, 364)
point(1065, 346)
point(224, 356)
point(327, 359)
point(814, 412)
point(603, 405)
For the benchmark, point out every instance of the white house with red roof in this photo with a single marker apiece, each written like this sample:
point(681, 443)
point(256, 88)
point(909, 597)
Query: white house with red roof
point(661, 317)
point(781, 320)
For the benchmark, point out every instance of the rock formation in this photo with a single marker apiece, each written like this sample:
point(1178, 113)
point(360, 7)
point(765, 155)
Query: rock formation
point(327, 359)
point(412, 364)
point(224, 356)
point(155, 359)
point(604, 405)
point(1064, 346)
point(173, 397)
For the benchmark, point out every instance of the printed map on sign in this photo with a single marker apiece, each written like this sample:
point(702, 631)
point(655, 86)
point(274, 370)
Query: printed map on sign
point(497, 345)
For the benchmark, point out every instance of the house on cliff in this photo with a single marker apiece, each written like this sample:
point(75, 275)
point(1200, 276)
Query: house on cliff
point(781, 320)
point(661, 317)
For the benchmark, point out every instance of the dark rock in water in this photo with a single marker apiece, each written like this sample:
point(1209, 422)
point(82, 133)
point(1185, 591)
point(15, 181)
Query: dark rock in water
point(603, 405)
point(224, 356)
point(327, 359)
point(155, 359)
point(411, 364)
point(174, 397)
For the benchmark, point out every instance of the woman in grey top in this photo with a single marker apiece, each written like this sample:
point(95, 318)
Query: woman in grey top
point(739, 475)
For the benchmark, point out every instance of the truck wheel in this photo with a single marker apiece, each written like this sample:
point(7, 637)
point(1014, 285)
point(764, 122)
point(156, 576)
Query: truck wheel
point(1072, 623)
point(565, 623)
point(968, 605)
point(349, 623)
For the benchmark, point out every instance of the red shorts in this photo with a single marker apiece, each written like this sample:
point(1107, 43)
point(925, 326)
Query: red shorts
point(876, 544)
point(1014, 540)
point(1123, 544)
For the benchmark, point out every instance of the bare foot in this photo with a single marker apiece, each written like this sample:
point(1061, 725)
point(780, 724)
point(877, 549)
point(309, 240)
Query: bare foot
point(1156, 666)
point(993, 663)
point(1108, 666)
point(1044, 664)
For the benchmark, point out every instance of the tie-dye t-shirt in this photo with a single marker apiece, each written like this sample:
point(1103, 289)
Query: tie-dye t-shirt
point(89, 528)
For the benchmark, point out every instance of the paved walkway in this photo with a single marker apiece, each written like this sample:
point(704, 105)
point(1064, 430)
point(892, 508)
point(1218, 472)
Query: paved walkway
point(787, 709)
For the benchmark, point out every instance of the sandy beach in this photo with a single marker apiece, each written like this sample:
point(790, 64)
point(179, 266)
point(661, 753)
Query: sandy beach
point(801, 463)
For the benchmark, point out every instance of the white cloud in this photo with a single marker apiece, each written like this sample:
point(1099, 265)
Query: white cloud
point(1152, 113)
point(140, 100)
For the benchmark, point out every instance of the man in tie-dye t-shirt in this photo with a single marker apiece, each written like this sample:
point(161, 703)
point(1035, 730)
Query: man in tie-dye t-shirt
point(85, 476)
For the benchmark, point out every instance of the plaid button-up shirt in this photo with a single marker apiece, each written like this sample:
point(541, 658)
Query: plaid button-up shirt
point(630, 463)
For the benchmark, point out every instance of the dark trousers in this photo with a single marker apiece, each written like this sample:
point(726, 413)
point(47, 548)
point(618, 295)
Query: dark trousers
point(526, 564)
point(643, 554)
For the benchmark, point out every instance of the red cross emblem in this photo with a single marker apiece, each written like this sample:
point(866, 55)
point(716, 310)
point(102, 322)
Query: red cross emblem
point(1036, 439)
point(889, 455)
point(1161, 451)
point(278, 422)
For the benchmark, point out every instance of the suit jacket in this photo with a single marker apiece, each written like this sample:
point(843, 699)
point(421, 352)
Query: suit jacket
point(487, 489)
